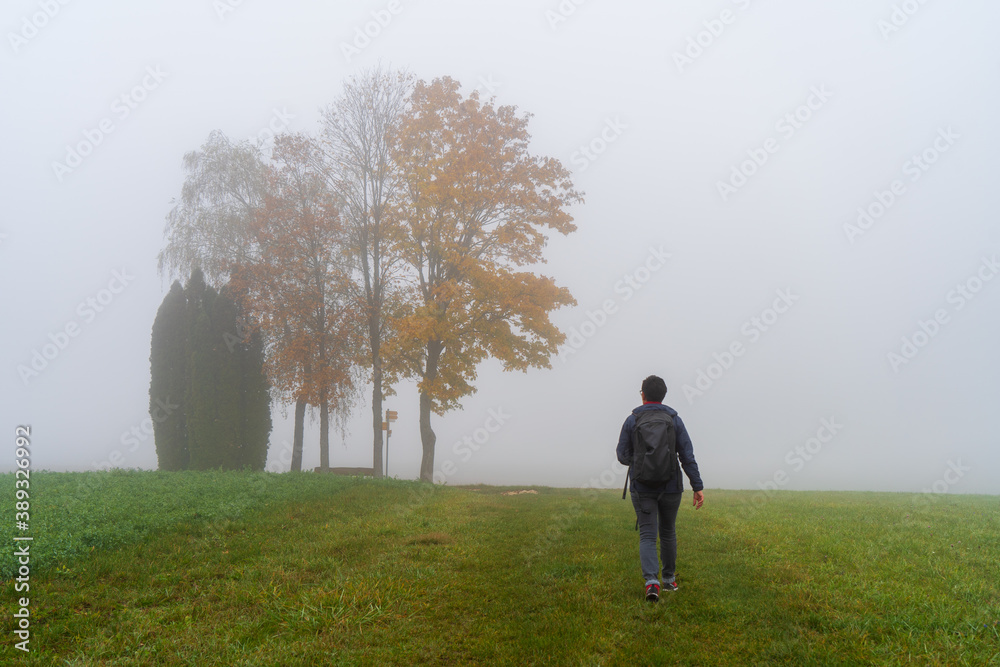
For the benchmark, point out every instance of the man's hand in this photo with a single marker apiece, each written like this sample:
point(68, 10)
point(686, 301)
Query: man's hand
point(699, 499)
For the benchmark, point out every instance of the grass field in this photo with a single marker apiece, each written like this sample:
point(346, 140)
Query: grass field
point(147, 568)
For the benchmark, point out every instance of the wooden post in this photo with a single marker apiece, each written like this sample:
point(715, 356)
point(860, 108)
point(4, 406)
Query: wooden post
point(385, 427)
point(390, 416)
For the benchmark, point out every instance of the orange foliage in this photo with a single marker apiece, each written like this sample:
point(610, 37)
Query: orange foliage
point(477, 207)
point(299, 289)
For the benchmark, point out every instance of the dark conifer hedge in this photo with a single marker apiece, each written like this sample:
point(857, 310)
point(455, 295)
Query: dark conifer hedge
point(207, 369)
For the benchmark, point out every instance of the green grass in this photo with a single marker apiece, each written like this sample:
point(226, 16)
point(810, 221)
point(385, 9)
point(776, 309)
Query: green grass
point(257, 569)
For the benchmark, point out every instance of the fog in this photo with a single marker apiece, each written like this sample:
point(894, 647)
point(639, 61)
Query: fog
point(790, 216)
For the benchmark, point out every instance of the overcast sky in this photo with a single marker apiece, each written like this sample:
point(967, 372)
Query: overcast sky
point(791, 215)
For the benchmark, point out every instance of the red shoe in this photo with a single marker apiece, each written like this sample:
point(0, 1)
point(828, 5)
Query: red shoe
point(653, 592)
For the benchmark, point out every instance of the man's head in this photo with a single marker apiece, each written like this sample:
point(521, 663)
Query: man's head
point(654, 389)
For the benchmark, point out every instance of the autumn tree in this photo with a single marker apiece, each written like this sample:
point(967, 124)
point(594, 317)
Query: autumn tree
point(357, 162)
point(477, 207)
point(211, 226)
point(299, 289)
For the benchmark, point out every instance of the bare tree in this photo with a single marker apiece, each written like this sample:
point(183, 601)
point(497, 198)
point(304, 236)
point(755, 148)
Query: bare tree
point(209, 227)
point(358, 163)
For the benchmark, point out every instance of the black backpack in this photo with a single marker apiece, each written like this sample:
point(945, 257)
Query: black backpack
point(654, 448)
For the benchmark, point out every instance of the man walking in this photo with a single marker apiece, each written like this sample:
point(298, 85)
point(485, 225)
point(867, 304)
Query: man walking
point(652, 440)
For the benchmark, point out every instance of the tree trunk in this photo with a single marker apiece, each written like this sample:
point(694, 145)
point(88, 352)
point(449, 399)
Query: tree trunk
point(300, 420)
point(427, 437)
point(377, 462)
point(324, 431)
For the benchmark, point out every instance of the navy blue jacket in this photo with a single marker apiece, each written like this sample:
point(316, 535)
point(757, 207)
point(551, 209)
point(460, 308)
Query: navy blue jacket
point(685, 453)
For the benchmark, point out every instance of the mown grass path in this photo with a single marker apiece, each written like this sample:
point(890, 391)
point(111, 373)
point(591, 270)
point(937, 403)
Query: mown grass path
point(254, 569)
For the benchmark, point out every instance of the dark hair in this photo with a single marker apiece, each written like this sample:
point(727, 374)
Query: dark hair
point(654, 389)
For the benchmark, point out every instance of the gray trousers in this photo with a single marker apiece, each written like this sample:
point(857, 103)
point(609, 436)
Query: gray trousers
point(657, 515)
